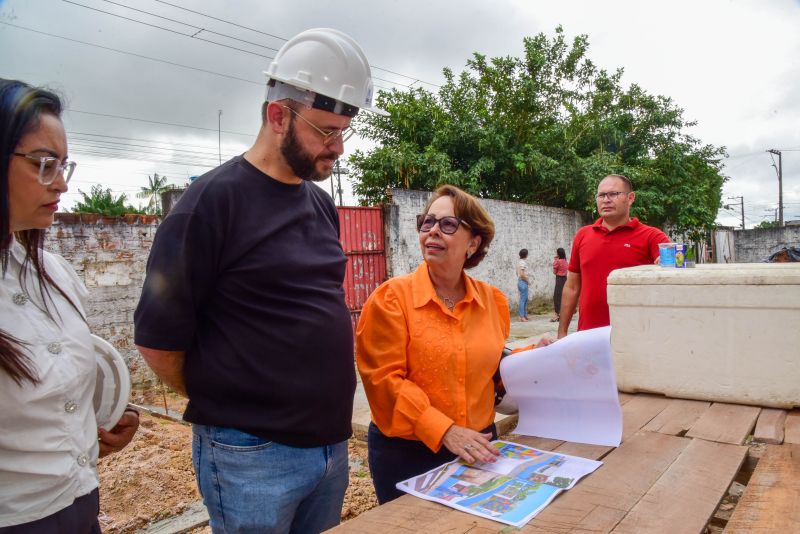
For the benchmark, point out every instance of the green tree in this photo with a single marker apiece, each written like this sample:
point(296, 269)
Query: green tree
point(103, 201)
point(766, 225)
point(156, 185)
point(544, 129)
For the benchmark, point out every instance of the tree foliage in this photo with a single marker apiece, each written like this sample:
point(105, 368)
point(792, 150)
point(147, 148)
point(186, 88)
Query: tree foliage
point(156, 185)
point(543, 129)
point(103, 201)
point(766, 225)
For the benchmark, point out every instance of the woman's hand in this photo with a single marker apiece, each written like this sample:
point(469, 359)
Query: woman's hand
point(469, 445)
point(117, 438)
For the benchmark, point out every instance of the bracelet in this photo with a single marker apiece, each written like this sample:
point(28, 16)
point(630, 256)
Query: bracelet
point(130, 408)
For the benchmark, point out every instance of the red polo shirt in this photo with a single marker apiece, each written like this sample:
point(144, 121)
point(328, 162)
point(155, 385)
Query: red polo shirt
point(597, 251)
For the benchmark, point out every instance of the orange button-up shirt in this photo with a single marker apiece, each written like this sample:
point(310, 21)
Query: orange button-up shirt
point(425, 368)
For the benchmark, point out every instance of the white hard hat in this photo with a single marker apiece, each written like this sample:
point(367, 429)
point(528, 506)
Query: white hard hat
point(113, 384)
point(330, 65)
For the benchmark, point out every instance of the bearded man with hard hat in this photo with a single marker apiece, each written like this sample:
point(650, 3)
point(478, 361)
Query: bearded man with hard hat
point(243, 310)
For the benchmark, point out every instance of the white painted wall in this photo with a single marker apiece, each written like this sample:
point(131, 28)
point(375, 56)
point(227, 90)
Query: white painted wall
point(540, 229)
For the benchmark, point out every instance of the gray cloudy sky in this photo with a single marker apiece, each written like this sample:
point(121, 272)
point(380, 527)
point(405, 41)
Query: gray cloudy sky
point(732, 65)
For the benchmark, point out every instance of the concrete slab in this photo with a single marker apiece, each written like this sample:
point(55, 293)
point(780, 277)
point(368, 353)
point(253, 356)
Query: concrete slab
point(522, 333)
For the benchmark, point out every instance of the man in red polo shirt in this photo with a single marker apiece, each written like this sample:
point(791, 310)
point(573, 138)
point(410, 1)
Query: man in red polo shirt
point(614, 241)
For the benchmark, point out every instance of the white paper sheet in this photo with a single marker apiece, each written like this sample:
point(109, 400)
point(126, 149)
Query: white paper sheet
point(567, 390)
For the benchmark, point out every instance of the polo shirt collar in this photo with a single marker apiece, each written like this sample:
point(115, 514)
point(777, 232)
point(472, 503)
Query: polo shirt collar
point(632, 225)
point(423, 291)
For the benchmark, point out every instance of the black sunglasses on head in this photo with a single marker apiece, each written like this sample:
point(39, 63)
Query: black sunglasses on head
point(448, 225)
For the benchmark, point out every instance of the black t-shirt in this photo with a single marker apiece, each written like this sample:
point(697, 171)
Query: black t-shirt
point(245, 276)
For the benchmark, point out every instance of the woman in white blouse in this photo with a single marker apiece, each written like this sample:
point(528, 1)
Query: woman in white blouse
point(49, 438)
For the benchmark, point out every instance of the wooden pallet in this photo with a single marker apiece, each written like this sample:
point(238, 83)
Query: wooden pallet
point(674, 466)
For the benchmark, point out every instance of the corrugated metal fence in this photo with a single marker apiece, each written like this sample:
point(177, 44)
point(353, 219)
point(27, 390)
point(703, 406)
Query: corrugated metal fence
point(363, 241)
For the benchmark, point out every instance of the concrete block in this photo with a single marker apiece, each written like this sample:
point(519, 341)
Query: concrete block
point(725, 333)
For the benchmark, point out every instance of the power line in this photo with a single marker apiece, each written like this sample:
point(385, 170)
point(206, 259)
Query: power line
point(133, 147)
point(166, 29)
point(141, 56)
point(222, 20)
point(190, 25)
point(157, 122)
point(195, 36)
point(171, 143)
point(415, 79)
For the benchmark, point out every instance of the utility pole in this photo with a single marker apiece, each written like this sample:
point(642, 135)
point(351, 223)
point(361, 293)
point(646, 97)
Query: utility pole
point(780, 185)
point(219, 135)
point(339, 170)
point(741, 200)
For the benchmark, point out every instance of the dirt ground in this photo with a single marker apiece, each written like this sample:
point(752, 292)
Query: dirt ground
point(152, 478)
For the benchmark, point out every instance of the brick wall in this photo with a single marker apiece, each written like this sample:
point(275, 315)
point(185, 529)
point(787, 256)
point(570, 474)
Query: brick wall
point(110, 255)
point(540, 229)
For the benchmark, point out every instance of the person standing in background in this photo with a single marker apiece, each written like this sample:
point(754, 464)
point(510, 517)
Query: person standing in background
point(522, 284)
point(560, 270)
point(614, 241)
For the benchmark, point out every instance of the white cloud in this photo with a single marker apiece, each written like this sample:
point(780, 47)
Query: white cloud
point(732, 65)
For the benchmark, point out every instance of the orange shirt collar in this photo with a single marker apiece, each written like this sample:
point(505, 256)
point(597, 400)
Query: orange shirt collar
point(423, 291)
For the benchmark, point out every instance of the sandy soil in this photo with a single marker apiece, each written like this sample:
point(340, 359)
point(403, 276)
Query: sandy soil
point(152, 478)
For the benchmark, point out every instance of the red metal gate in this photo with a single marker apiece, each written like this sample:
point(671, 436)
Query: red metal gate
point(362, 239)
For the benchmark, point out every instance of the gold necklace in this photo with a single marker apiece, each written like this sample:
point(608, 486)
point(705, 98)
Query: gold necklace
point(449, 302)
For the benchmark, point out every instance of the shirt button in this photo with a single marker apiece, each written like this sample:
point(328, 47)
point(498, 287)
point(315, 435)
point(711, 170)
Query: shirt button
point(54, 347)
point(19, 299)
point(82, 459)
point(70, 407)
point(460, 380)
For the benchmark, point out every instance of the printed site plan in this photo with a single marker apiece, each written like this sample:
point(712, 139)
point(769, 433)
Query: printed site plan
point(511, 490)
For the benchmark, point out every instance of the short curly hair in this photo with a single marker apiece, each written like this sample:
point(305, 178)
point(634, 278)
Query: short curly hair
point(467, 208)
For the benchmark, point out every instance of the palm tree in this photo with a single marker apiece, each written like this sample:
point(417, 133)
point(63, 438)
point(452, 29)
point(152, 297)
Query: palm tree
point(157, 185)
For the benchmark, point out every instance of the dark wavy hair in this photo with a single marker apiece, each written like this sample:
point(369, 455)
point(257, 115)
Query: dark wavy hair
point(561, 254)
point(21, 107)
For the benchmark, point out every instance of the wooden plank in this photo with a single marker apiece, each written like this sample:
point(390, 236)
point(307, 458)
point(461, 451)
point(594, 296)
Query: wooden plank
point(624, 397)
point(403, 515)
point(725, 423)
point(584, 450)
point(685, 497)
point(792, 427)
point(545, 444)
point(771, 502)
point(769, 428)
point(599, 501)
point(639, 411)
point(678, 417)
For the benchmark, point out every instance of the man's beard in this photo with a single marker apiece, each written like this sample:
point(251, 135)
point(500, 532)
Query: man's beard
point(302, 164)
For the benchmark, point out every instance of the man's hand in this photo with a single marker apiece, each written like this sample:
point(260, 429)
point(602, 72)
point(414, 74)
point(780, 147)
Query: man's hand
point(117, 438)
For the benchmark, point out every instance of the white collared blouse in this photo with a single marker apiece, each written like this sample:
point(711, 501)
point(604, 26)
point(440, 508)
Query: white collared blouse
point(48, 432)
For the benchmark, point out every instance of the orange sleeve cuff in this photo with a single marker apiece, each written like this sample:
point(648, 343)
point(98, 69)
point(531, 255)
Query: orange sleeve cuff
point(431, 427)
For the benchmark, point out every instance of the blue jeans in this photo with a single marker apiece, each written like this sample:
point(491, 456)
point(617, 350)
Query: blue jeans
point(250, 484)
point(523, 298)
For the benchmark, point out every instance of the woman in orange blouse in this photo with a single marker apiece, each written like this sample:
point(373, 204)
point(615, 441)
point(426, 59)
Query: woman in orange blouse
point(428, 344)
